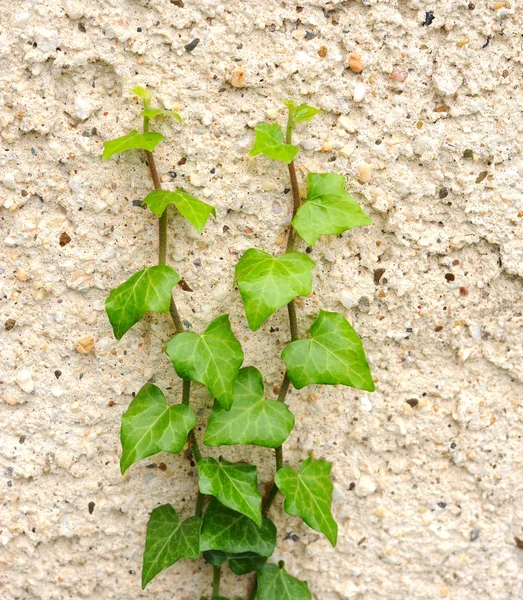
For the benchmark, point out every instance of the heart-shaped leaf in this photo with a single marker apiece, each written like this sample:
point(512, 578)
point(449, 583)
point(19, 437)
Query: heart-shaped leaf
point(168, 541)
point(194, 210)
point(142, 92)
point(150, 426)
point(308, 494)
point(251, 420)
point(234, 484)
point(229, 531)
point(145, 141)
point(269, 141)
point(333, 355)
point(148, 290)
point(300, 113)
point(267, 283)
point(152, 113)
point(212, 358)
point(275, 583)
point(328, 210)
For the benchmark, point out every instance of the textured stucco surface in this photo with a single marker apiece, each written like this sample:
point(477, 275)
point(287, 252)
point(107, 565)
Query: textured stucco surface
point(428, 498)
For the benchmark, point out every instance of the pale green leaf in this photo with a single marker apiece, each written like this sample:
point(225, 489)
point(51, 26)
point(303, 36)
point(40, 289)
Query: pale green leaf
point(234, 484)
point(269, 141)
point(267, 283)
point(168, 540)
point(142, 93)
point(150, 426)
point(308, 494)
point(152, 113)
point(212, 358)
point(145, 141)
point(147, 290)
point(194, 210)
point(300, 113)
point(333, 355)
point(274, 583)
point(328, 210)
point(229, 531)
point(251, 419)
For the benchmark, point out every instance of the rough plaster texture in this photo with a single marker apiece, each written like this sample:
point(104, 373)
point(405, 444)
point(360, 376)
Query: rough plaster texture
point(428, 481)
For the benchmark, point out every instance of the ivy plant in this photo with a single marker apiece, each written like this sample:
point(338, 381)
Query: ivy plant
point(231, 525)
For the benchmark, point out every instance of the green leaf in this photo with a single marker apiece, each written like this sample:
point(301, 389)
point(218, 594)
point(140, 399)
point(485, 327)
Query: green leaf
point(168, 541)
point(308, 494)
point(333, 355)
point(234, 484)
point(241, 564)
point(229, 531)
point(251, 420)
point(215, 557)
point(212, 358)
point(150, 426)
point(328, 210)
point(148, 290)
point(142, 93)
point(152, 113)
point(267, 283)
point(145, 141)
point(301, 113)
point(269, 141)
point(194, 210)
point(274, 582)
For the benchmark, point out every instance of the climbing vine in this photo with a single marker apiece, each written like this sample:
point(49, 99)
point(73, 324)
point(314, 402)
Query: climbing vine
point(230, 523)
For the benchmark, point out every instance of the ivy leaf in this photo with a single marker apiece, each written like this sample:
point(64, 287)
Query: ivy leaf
point(267, 283)
point(301, 113)
point(328, 210)
point(274, 582)
point(168, 540)
point(194, 210)
point(145, 141)
point(241, 564)
point(234, 484)
point(212, 358)
point(308, 494)
point(148, 290)
point(142, 93)
point(152, 113)
point(251, 420)
point(333, 355)
point(229, 531)
point(150, 426)
point(269, 141)
point(215, 557)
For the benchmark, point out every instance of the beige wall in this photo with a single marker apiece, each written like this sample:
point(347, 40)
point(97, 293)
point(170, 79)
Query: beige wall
point(437, 498)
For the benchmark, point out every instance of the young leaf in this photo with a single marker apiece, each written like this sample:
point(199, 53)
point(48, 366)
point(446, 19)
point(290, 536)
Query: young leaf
point(150, 426)
point(274, 582)
point(234, 484)
point(147, 290)
point(168, 540)
point(333, 355)
point(145, 141)
point(251, 420)
point(152, 113)
point(328, 210)
point(301, 113)
point(308, 494)
point(226, 530)
point(212, 358)
point(267, 283)
point(269, 141)
point(194, 210)
point(142, 93)
point(241, 564)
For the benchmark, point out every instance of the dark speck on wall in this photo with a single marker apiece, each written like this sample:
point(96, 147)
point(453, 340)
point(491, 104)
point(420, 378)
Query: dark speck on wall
point(429, 17)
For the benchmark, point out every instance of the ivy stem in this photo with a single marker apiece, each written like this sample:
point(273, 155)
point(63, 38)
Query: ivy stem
point(173, 309)
point(254, 589)
point(217, 573)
